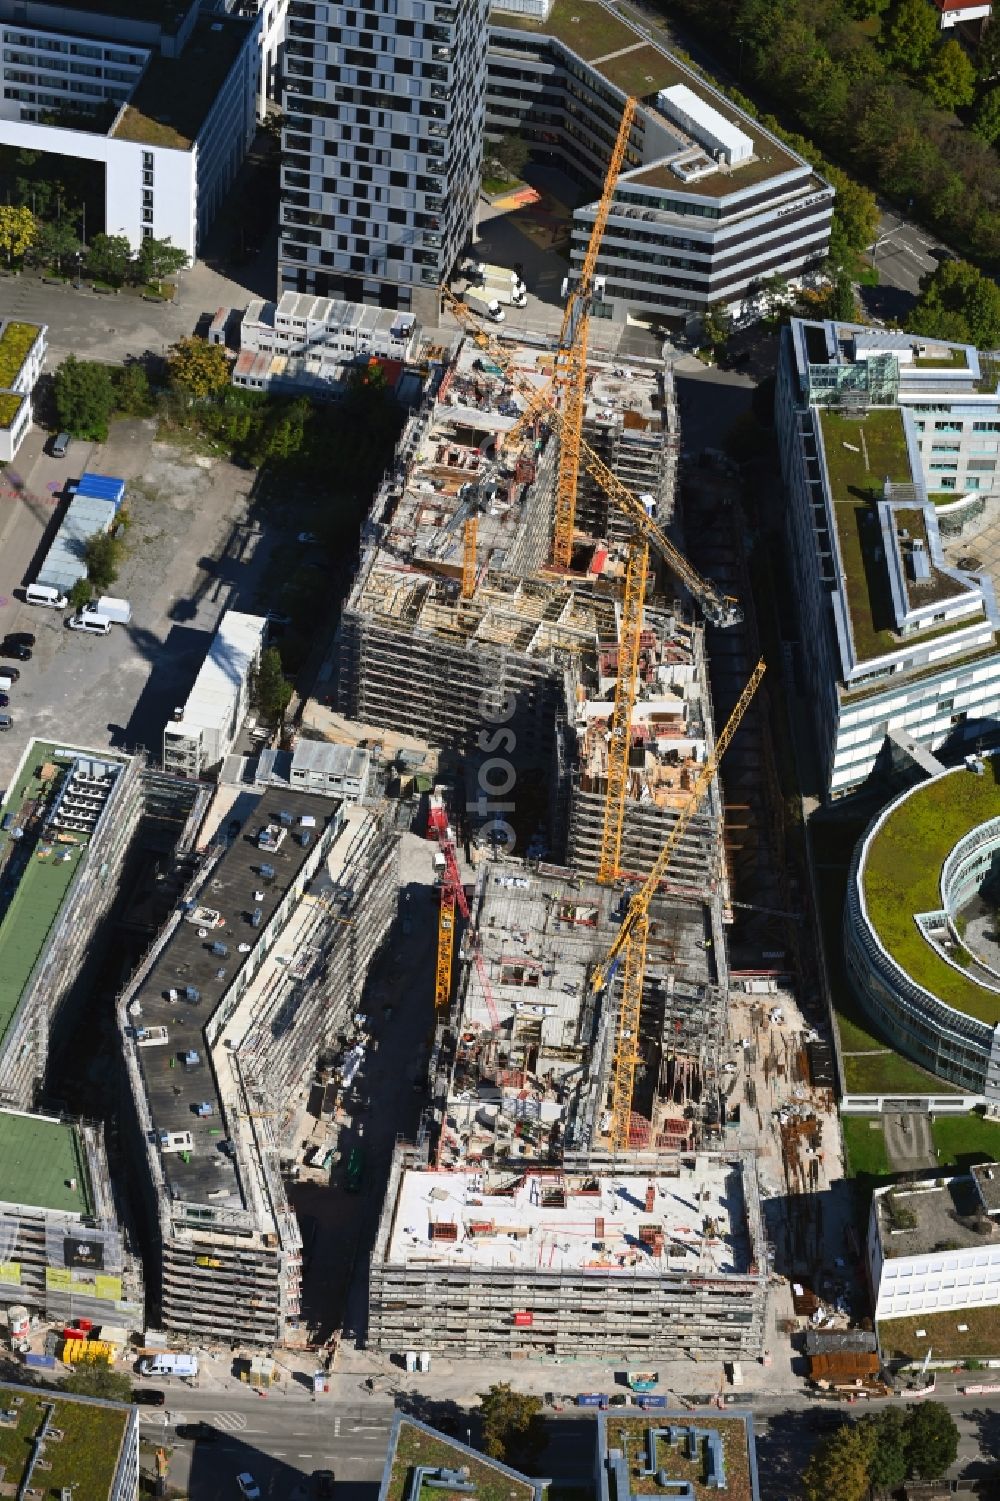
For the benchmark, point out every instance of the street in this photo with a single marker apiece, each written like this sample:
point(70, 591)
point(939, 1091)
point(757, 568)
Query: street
point(282, 1437)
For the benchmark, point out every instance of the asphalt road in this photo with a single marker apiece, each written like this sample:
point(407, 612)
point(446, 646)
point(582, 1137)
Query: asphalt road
point(283, 1437)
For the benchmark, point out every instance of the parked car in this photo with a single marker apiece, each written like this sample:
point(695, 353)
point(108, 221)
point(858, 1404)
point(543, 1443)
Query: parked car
point(6, 722)
point(4, 700)
point(25, 637)
point(16, 649)
point(323, 1481)
point(148, 1396)
point(308, 537)
point(248, 1486)
point(60, 445)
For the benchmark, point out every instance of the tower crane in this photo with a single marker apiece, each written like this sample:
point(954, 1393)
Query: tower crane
point(629, 944)
point(452, 895)
point(718, 608)
point(571, 356)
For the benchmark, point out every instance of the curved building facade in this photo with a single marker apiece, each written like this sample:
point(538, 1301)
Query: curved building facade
point(921, 944)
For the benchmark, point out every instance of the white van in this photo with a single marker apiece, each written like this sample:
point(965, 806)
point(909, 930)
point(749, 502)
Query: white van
point(44, 594)
point(169, 1364)
point(96, 625)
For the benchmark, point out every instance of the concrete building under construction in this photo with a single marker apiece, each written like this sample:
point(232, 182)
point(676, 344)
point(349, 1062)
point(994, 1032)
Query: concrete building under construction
point(523, 1070)
point(63, 1251)
point(67, 822)
point(526, 1261)
point(413, 653)
point(251, 977)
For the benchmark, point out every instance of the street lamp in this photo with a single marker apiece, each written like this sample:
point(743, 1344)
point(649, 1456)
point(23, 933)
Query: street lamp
point(882, 240)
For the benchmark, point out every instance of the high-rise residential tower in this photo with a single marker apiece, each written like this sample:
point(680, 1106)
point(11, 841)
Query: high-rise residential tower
point(384, 105)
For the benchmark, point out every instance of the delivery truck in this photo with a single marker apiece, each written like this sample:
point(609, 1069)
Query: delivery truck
point(117, 610)
point(486, 307)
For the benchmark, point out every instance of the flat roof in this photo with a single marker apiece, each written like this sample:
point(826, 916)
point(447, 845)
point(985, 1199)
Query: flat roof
point(575, 1221)
point(86, 1459)
point(635, 64)
point(954, 1334)
point(901, 877)
point(629, 1437)
point(920, 1218)
point(37, 870)
point(205, 1173)
point(217, 688)
point(166, 15)
point(414, 1445)
point(39, 1158)
point(17, 340)
point(174, 96)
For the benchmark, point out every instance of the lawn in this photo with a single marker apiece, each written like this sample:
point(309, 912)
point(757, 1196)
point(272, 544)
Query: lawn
point(981, 1341)
point(955, 359)
point(966, 1139)
point(902, 877)
point(629, 1434)
point(878, 1067)
point(864, 1146)
point(414, 1447)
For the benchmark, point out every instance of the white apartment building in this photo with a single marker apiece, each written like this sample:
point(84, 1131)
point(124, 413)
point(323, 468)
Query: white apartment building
point(709, 203)
point(961, 12)
point(168, 106)
point(205, 730)
point(308, 344)
point(889, 447)
point(934, 1256)
point(22, 357)
point(384, 102)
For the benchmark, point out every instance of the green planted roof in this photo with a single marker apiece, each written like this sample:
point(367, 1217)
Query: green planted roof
point(84, 1461)
point(39, 1159)
point(15, 346)
point(901, 877)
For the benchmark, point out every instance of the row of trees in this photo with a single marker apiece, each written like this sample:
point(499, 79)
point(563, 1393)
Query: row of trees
point(26, 239)
point(881, 1451)
point(875, 85)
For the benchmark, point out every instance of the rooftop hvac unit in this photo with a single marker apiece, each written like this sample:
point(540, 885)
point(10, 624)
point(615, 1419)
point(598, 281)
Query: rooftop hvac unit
point(220, 950)
point(192, 994)
point(267, 872)
point(285, 819)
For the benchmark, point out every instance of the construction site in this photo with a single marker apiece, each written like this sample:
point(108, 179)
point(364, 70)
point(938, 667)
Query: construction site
point(535, 1262)
point(522, 568)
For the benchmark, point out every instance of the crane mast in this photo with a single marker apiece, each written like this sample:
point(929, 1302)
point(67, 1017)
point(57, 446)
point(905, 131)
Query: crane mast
point(571, 357)
point(630, 941)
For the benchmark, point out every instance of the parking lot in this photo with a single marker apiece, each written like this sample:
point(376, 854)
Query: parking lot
point(193, 551)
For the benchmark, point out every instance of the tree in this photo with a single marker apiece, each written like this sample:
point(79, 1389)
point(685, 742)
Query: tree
point(932, 1439)
point(889, 1449)
point(95, 1378)
point(950, 78)
point(838, 1466)
point(134, 397)
point(18, 227)
point(988, 51)
point(54, 244)
point(958, 302)
point(109, 258)
point(85, 397)
point(910, 33)
point(103, 555)
point(81, 592)
point(198, 368)
point(715, 325)
point(159, 258)
point(510, 153)
point(273, 690)
point(986, 121)
point(842, 303)
point(513, 1427)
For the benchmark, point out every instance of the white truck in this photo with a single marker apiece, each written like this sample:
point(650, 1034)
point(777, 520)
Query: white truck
point(486, 307)
point(505, 287)
point(117, 610)
point(169, 1363)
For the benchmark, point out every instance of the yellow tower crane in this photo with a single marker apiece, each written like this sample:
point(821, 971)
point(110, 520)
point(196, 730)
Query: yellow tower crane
point(630, 940)
point(469, 541)
point(619, 740)
point(718, 608)
point(571, 357)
